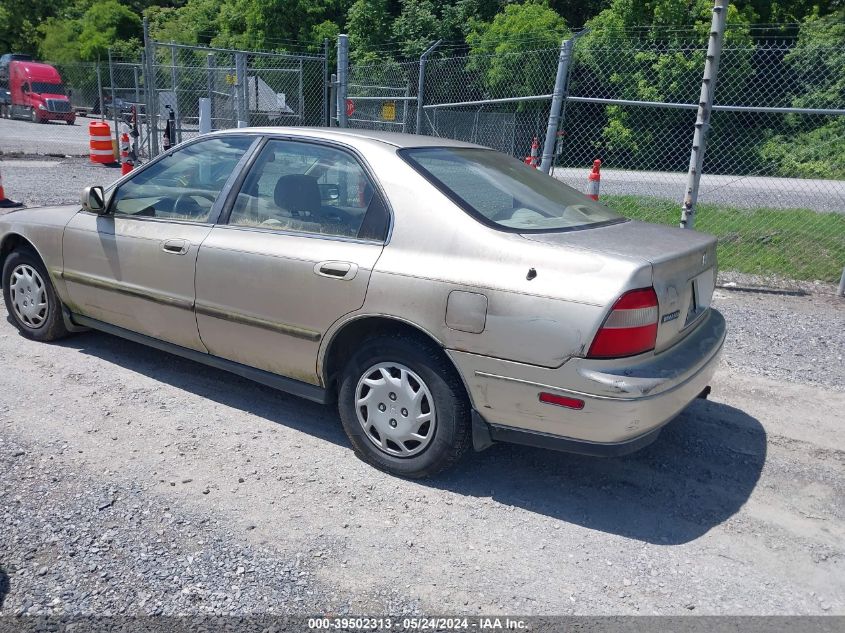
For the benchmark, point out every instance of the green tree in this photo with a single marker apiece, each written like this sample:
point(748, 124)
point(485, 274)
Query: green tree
point(88, 29)
point(662, 62)
point(108, 24)
point(368, 27)
point(194, 23)
point(416, 27)
point(19, 22)
point(273, 24)
point(499, 49)
point(814, 147)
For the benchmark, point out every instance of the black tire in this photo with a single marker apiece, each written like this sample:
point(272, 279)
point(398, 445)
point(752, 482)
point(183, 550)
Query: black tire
point(33, 115)
point(53, 325)
point(70, 121)
point(452, 428)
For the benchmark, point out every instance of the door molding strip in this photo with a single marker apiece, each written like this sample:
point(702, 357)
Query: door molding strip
point(127, 289)
point(305, 390)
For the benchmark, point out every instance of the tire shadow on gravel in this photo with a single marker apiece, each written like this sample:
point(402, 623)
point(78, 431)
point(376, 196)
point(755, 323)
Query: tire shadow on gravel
point(214, 384)
point(697, 474)
point(4, 586)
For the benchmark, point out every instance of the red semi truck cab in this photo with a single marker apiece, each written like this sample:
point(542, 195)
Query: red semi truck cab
point(37, 93)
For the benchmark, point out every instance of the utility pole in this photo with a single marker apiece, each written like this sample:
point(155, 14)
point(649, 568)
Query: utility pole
point(705, 105)
point(563, 63)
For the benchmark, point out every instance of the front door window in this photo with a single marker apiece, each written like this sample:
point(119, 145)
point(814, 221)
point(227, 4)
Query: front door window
point(184, 185)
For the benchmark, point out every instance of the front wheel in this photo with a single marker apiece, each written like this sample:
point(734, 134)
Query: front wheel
point(31, 300)
point(403, 407)
point(33, 114)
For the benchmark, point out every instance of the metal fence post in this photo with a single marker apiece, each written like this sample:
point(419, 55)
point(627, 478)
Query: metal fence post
point(150, 90)
point(135, 72)
point(333, 101)
point(702, 120)
point(175, 85)
point(209, 67)
point(326, 89)
point(421, 86)
point(342, 79)
point(841, 290)
point(114, 111)
point(301, 95)
point(240, 89)
point(100, 103)
point(563, 65)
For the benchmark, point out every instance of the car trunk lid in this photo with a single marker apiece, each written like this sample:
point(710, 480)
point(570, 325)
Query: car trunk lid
point(683, 267)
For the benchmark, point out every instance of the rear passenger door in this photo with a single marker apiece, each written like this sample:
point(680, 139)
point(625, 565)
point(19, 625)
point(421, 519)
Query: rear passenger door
point(293, 254)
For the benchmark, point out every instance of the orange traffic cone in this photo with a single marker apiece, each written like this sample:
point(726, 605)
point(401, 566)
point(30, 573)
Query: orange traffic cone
point(6, 203)
point(126, 164)
point(594, 180)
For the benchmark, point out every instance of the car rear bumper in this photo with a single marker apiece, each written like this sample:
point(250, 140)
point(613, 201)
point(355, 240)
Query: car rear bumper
point(626, 401)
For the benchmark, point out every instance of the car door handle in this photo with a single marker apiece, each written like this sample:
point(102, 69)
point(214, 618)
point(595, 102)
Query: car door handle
point(175, 247)
point(337, 270)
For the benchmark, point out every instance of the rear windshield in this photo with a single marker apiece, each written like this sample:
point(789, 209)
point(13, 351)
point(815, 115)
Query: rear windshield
point(44, 88)
point(502, 192)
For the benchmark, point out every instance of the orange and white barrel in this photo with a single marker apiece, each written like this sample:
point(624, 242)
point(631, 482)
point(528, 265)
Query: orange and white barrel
point(100, 142)
point(594, 180)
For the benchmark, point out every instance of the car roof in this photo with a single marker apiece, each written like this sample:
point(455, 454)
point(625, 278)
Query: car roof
point(349, 135)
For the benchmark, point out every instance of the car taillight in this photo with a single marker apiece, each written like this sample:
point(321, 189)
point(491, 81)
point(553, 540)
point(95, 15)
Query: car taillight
point(630, 328)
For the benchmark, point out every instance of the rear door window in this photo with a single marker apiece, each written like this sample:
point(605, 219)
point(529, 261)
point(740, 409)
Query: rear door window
point(310, 188)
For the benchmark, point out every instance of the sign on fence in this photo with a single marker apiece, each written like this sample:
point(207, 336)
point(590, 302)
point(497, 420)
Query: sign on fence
point(388, 110)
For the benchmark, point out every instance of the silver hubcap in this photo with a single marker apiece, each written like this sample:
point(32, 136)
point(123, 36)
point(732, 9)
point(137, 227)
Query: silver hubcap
point(29, 296)
point(395, 409)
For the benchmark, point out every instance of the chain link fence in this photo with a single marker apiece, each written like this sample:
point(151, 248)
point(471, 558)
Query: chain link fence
point(501, 101)
point(243, 88)
point(773, 179)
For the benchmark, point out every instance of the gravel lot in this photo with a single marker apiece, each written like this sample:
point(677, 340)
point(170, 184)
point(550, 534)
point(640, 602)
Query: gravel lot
point(139, 483)
point(43, 181)
point(53, 137)
point(123, 463)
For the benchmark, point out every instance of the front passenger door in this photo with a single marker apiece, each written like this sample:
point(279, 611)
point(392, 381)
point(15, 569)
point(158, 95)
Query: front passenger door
point(134, 267)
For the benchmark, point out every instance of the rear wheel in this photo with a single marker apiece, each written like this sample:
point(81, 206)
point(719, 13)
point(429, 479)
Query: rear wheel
point(30, 298)
point(403, 407)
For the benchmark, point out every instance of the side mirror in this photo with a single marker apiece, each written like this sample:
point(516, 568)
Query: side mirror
point(93, 200)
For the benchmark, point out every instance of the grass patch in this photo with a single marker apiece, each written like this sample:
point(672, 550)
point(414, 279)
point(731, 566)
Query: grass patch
point(791, 243)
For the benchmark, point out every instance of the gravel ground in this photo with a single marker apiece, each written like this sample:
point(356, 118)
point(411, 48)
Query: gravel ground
point(794, 337)
point(124, 463)
point(54, 137)
point(43, 181)
point(140, 483)
point(106, 545)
